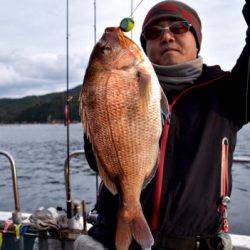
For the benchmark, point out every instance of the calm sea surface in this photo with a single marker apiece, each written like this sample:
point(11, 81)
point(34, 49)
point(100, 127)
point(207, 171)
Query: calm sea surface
point(40, 152)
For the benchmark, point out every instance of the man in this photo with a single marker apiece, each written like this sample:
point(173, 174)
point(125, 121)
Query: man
point(208, 106)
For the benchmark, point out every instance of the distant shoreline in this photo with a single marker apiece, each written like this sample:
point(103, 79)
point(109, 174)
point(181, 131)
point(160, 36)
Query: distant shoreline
point(44, 109)
point(37, 123)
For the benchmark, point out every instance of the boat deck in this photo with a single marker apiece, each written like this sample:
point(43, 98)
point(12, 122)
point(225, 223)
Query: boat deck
point(240, 242)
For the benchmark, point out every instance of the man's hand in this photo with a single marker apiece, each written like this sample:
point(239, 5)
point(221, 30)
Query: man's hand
point(246, 12)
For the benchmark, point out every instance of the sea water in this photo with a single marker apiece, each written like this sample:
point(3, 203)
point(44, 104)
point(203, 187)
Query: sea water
point(40, 152)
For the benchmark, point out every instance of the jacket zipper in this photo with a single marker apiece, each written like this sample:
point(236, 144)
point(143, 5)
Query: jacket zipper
point(224, 167)
point(224, 185)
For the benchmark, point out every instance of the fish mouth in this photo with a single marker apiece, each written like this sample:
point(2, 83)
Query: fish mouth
point(110, 37)
point(102, 43)
point(112, 30)
point(115, 43)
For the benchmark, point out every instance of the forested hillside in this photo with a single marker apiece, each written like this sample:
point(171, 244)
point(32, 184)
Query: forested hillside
point(39, 109)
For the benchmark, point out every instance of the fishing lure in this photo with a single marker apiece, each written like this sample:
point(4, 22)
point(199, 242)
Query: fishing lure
point(127, 24)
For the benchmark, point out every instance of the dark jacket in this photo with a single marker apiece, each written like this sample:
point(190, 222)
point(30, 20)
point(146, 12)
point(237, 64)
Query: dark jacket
point(215, 107)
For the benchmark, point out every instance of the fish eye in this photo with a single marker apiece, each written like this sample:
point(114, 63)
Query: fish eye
point(105, 49)
point(108, 48)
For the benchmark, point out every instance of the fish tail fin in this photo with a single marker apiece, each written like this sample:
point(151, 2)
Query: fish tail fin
point(141, 231)
point(131, 225)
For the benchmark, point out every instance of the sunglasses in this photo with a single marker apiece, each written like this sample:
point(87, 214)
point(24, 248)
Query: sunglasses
point(176, 28)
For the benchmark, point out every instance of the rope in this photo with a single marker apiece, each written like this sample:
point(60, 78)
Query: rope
point(44, 219)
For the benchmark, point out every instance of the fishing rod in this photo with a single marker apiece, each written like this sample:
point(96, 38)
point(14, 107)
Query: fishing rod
point(96, 176)
point(67, 110)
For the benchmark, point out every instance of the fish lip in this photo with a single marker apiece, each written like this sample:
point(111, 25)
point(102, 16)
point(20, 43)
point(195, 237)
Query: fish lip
point(111, 29)
point(102, 43)
point(110, 37)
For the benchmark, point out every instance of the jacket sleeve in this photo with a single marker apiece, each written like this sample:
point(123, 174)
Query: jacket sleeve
point(239, 86)
point(89, 154)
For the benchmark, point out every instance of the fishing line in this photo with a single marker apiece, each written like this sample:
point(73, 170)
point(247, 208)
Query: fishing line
point(136, 8)
point(127, 24)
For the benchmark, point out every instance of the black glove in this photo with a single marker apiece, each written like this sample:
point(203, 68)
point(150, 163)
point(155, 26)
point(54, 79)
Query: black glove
point(246, 12)
point(89, 154)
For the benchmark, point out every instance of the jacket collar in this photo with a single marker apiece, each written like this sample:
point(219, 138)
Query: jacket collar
point(210, 73)
point(209, 76)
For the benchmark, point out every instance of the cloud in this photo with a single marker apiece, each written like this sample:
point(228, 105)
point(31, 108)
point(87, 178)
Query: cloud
point(38, 73)
point(33, 40)
point(8, 75)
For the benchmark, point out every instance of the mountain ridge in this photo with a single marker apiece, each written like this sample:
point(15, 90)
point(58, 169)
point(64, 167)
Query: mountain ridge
point(48, 108)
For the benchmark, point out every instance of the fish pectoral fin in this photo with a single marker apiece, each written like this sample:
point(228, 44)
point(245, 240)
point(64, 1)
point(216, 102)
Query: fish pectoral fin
point(150, 176)
point(144, 85)
point(164, 105)
point(84, 119)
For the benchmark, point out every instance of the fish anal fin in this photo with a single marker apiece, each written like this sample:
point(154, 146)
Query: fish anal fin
point(123, 236)
point(106, 179)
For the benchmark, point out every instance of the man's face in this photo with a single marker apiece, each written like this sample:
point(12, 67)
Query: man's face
point(169, 48)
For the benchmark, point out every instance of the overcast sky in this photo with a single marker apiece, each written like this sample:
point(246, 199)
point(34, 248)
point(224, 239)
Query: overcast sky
point(33, 38)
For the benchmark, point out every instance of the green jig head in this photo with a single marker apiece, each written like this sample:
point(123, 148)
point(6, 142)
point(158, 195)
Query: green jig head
point(127, 24)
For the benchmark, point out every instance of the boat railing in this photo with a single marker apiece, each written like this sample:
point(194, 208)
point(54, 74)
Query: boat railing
point(14, 178)
point(72, 155)
point(241, 159)
point(64, 234)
